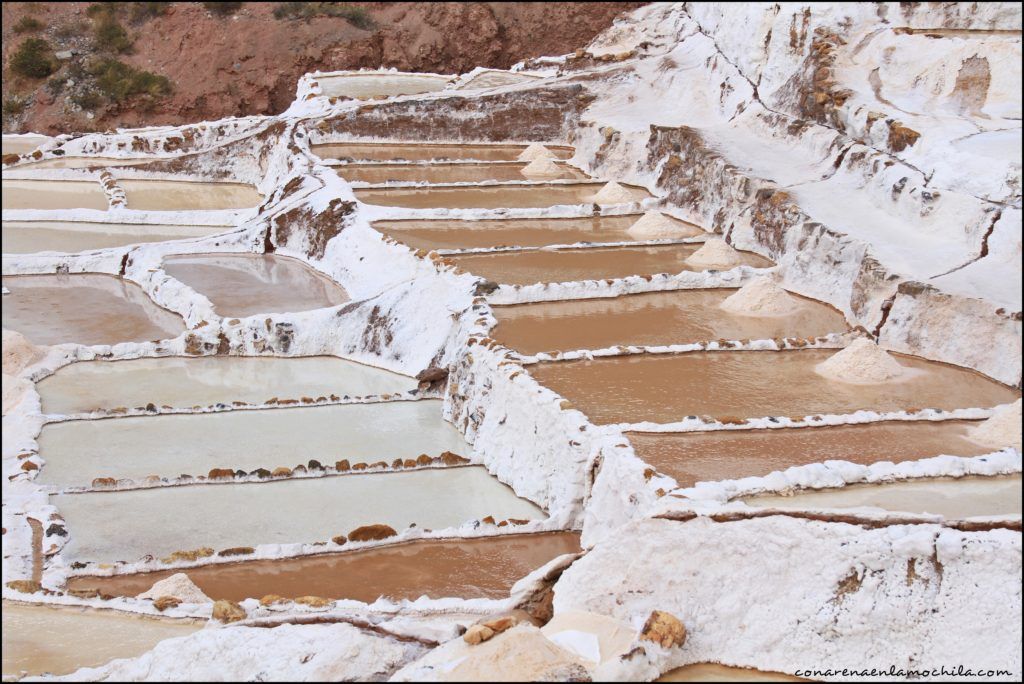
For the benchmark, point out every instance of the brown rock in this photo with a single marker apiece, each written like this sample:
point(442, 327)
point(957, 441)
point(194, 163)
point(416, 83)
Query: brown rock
point(221, 474)
point(314, 601)
point(25, 586)
point(228, 611)
point(432, 374)
point(371, 533)
point(84, 593)
point(101, 482)
point(342, 465)
point(423, 460)
point(29, 465)
point(340, 540)
point(165, 602)
point(271, 599)
point(448, 458)
point(237, 551)
point(281, 472)
point(665, 629)
point(477, 634)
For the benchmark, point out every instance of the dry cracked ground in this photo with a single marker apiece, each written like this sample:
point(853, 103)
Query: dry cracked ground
point(692, 353)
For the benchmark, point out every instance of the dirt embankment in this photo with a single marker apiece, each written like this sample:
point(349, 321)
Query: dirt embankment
point(248, 61)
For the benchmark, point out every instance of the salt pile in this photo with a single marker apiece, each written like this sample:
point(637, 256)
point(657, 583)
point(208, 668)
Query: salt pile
point(535, 151)
point(1002, 429)
point(716, 254)
point(654, 225)
point(541, 168)
point(14, 390)
point(612, 193)
point(178, 586)
point(18, 352)
point(862, 363)
point(760, 297)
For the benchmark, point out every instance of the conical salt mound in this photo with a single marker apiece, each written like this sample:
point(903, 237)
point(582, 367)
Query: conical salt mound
point(535, 151)
point(1002, 429)
point(612, 193)
point(541, 168)
point(862, 363)
point(716, 254)
point(179, 586)
point(760, 297)
point(654, 226)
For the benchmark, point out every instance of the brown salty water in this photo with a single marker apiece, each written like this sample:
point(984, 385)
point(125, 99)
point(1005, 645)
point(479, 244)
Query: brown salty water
point(373, 151)
point(537, 195)
point(467, 568)
point(52, 194)
point(26, 237)
point(163, 195)
point(446, 173)
point(664, 388)
point(241, 285)
point(84, 308)
point(732, 454)
point(655, 318)
point(713, 672)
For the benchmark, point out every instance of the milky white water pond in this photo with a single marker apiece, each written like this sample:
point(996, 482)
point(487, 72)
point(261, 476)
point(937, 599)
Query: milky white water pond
point(52, 194)
point(163, 195)
point(374, 86)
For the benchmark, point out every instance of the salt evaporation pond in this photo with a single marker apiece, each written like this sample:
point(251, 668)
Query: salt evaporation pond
point(656, 318)
point(692, 457)
point(713, 672)
point(531, 232)
point(182, 382)
point(537, 195)
point(664, 388)
point(565, 265)
point(408, 151)
point(165, 195)
point(446, 173)
point(26, 237)
point(467, 568)
point(110, 526)
point(86, 308)
point(52, 194)
point(44, 639)
point(240, 285)
point(380, 85)
point(85, 162)
point(21, 144)
point(78, 451)
point(965, 497)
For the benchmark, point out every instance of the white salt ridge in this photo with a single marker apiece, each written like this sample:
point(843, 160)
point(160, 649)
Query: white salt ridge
point(535, 151)
point(1003, 429)
point(541, 168)
point(14, 390)
point(654, 225)
point(862, 363)
point(612, 193)
point(179, 586)
point(715, 253)
point(760, 297)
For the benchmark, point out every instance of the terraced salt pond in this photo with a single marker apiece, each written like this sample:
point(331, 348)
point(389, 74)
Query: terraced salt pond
point(374, 151)
point(378, 86)
point(165, 195)
point(467, 568)
point(84, 308)
point(565, 265)
point(182, 382)
point(693, 457)
point(84, 162)
point(26, 237)
point(538, 232)
point(240, 285)
point(748, 384)
point(110, 526)
point(44, 639)
point(52, 194)
point(446, 173)
point(536, 195)
point(21, 144)
point(655, 318)
point(78, 451)
point(713, 672)
point(951, 498)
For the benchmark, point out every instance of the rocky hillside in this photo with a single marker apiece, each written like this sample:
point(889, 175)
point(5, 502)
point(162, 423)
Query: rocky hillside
point(81, 66)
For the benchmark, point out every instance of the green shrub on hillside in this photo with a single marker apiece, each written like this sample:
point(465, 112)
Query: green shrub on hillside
point(118, 81)
point(110, 36)
point(222, 9)
point(356, 16)
point(14, 105)
point(28, 25)
point(34, 59)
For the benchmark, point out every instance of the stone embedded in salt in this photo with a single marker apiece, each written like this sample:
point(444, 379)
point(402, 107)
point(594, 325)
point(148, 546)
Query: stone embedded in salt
point(862, 363)
point(535, 151)
point(654, 225)
point(760, 297)
point(178, 585)
point(612, 193)
point(716, 254)
point(1002, 430)
point(541, 168)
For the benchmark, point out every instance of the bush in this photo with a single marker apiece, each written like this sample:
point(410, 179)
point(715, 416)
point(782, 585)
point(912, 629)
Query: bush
point(356, 16)
point(14, 105)
point(118, 81)
point(56, 84)
point(34, 59)
point(222, 9)
point(89, 100)
point(110, 36)
point(28, 25)
point(144, 11)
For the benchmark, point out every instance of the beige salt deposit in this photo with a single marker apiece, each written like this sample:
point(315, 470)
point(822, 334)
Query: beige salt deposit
point(716, 254)
point(541, 168)
point(13, 391)
point(612, 193)
point(654, 225)
point(760, 297)
point(18, 352)
point(535, 151)
point(177, 586)
point(1001, 430)
point(863, 363)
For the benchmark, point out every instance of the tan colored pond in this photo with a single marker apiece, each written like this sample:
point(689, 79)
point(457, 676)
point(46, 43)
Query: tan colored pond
point(26, 237)
point(52, 194)
point(380, 85)
point(84, 308)
point(654, 318)
point(467, 568)
point(445, 173)
point(110, 526)
point(538, 195)
point(44, 639)
point(732, 454)
point(189, 381)
point(240, 285)
point(20, 144)
point(164, 195)
point(84, 162)
point(409, 151)
point(567, 265)
point(713, 672)
point(664, 388)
